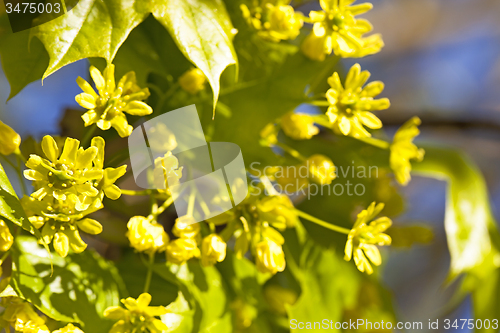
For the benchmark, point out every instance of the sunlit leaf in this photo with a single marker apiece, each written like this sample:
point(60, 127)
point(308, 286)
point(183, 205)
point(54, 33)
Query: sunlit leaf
point(10, 207)
point(468, 218)
point(94, 28)
point(202, 31)
point(80, 288)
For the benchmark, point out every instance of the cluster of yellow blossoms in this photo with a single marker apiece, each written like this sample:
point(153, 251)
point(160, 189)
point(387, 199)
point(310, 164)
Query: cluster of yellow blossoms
point(365, 235)
point(69, 184)
point(335, 28)
point(274, 20)
point(108, 106)
point(21, 316)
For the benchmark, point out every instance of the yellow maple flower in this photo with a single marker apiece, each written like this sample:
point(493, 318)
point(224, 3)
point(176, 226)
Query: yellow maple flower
point(70, 328)
point(137, 316)
point(66, 175)
point(181, 250)
point(6, 238)
point(60, 223)
point(403, 150)
point(269, 255)
point(108, 106)
point(145, 236)
point(365, 235)
point(193, 81)
point(298, 126)
point(321, 169)
point(336, 29)
point(74, 174)
point(274, 21)
point(9, 140)
point(213, 249)
point(351, 105)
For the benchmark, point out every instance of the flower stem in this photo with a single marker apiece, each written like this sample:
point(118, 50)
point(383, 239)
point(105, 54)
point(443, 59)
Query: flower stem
point(164, 206)
point(375, 142)
point(319, 103)
point(88, 135)
point(150, 271)
point(132, 192)
point(322, 223)
point(291, 151)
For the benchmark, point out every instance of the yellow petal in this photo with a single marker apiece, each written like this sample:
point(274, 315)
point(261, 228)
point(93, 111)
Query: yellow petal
point(86, 87)
point(98, 80)
point(85, 100)
point(61, 244)
point(370, 120)
point(50, 149)
point(344, 125)
point(138, 108)
point(90, 226)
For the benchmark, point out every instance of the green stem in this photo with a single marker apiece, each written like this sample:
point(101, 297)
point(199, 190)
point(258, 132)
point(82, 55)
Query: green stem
point(375, 142)
point(88, 135)
point(192, 198)
point(150, 271)
point(164, 206)
point(319, 103)
point(322, 223)
point(132, 192)
point(291, 151)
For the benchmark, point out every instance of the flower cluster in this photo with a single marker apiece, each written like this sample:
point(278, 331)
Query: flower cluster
point(21, 316)
point(274, 21)
point(137, 316)
point(69, 184)
point(107, 106)
point(185, 246)
point(351, 104)
point(403, 150)
point(365, 235)
point(255, 224)
point(336, 29)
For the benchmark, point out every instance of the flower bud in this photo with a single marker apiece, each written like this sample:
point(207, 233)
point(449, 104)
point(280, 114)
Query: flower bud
point(213, 249)
point(192, 81)
point(269, 257)
point(145, 236)
point(181, 250)
point(6, 238)
point(321, 169)
point(298, 126)
point(9, 139)
point(186, 227)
